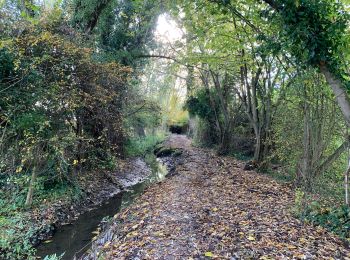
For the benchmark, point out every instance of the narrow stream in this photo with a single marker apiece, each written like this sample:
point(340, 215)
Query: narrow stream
point(75, 238)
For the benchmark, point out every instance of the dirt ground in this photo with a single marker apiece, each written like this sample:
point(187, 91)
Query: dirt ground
point(211, 208)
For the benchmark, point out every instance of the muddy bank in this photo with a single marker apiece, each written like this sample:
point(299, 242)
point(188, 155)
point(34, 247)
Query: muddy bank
point(96, 187)
point(173, 152)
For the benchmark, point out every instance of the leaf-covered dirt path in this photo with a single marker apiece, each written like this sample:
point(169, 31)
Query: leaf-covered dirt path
point(212, 208)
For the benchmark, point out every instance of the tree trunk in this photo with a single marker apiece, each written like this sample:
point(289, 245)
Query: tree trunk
point(333, 157)
point(335, 83)
point(93, 16)
point(261, 149)
point(339, 92)
point(257, 143)
point(346, 181)
point(305, 171)
point(225, 141)
point(346, 184)
point(213, 105)
point(226, 129)
point(29, 199)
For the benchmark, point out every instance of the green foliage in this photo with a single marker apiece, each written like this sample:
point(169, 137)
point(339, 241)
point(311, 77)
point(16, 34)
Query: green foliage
point(6, 63)
point(205, 134)
point(179, 119)
point(335, 219)
point(13, 243)
point(317, 31)
point(50, 106)
point(124, 28)
point(60, 113)
point(309, 121)
point(141, 115)
point(299, 202)
point(54, 257)
point(141, 146)
point(199, 104)
point(17, 227)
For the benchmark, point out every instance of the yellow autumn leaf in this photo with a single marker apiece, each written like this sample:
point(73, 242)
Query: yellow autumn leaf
point(291, 247)
point(107, 245)
point(19, 169)
point(208, 254)
point(159, 234)
point(75, 162)
point(251, 238)
point(215, 209)
point(299, 255)
point(132, 234)
point(302, 240)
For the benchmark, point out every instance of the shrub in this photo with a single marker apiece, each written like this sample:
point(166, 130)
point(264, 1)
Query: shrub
point(140, 146)
point(335, 219)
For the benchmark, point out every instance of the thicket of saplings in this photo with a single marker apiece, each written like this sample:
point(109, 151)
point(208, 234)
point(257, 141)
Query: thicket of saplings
point(272, 85)
point(320, 183)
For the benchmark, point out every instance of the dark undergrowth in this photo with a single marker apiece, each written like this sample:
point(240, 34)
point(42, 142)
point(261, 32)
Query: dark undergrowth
point(17, 227)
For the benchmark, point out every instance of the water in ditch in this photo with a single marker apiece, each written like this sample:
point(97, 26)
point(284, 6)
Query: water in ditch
point(74, 239)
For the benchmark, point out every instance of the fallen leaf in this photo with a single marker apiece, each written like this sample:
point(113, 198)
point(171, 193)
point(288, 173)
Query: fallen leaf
point(251, 238)
point(107, 245)
point(135, 226)
point(291, 247)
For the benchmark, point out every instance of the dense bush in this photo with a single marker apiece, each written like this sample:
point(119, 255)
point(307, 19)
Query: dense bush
point(59, 108)
point(209, 115)
point(199, 104)
point(60, 113)
point(335, 219)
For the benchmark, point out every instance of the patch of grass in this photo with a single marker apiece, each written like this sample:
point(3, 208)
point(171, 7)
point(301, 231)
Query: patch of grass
point(141, 146)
